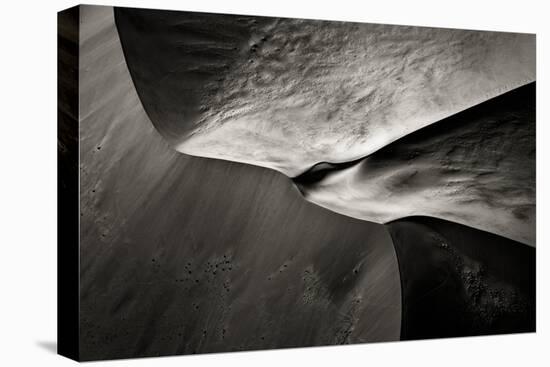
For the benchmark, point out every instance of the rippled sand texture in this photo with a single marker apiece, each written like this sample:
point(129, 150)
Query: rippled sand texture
point(289, 93)
point(187, 255)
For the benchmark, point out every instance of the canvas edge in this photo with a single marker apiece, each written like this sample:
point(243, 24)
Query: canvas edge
point(68, 31)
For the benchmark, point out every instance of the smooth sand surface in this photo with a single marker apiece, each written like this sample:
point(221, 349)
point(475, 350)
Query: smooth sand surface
point(187, 255)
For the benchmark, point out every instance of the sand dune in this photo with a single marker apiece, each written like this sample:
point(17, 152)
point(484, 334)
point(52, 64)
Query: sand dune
point(288, 93)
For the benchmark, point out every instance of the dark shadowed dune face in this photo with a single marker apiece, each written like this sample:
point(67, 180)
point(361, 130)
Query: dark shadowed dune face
point(188, 57)
point(458, 281)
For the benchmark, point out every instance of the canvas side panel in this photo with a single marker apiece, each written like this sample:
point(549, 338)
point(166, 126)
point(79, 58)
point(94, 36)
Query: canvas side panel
point(67, 181)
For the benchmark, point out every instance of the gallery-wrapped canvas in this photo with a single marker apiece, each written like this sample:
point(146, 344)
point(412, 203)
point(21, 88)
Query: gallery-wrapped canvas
point(236, 182)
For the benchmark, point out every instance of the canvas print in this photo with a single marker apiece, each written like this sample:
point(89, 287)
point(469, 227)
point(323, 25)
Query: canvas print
point(238, 182)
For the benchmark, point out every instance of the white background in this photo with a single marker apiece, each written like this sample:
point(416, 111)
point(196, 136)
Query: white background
point(28, 183)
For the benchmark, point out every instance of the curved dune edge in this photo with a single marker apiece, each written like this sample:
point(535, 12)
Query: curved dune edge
point(143, 201)
point(476, 168)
